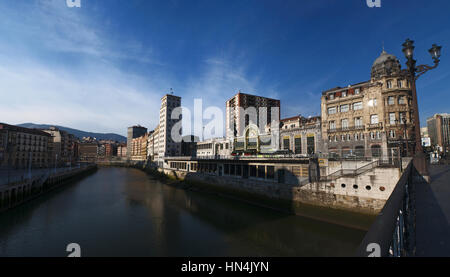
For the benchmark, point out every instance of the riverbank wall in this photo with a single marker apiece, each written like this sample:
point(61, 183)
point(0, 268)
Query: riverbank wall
point(21, 191)
point(341, 194)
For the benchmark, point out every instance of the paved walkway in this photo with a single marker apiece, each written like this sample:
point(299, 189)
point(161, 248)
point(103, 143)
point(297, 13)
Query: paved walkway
point(433, 214)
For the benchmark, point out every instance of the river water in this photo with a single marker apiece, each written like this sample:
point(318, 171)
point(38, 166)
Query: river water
point(125, 212)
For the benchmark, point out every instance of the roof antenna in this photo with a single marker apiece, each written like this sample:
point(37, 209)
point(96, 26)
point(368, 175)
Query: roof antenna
point(383, 47)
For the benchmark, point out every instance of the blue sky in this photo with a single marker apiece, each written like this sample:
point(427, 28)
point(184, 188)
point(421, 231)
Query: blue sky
point(105, 66)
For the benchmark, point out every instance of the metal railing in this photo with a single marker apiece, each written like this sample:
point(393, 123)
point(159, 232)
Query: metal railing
point(393, 232)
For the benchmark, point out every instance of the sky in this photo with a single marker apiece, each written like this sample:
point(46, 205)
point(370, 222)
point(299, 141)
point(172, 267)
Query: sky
point(105, 66)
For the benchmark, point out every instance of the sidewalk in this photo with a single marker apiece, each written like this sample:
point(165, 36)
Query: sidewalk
point(433, 214)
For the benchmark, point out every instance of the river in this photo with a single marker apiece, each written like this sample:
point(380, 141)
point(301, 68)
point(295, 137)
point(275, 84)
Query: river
point(126, 212)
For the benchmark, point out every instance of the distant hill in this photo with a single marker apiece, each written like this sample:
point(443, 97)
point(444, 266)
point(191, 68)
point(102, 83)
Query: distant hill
point(78, 133)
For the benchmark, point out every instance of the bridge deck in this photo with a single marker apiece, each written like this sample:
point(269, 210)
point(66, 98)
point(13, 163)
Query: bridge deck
point(433, 214)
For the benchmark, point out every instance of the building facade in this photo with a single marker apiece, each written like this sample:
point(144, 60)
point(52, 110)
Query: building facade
point(139, 148)
point(301, 136)
point(23, 147)
point(368, 118)
point(214, 147)
point(63, 146)
point(134, 132)
point(245, 109)
point(88, 151)
point(167, 144)
point(439, 131)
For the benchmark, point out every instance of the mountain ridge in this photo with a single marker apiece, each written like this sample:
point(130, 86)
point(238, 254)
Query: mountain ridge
point(78, 133)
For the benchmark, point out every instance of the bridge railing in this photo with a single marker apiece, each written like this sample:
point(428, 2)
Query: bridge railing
point(393, 232)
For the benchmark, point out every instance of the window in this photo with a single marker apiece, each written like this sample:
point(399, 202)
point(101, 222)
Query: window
point(374, 119)
point(298, 145)
point(357, 91)
point(356, 137)
point(372, 135)
point(286, 143)
point(344, 108)
point(402, 117)
point(358, 121)
point(399, 84)
point(332, 110)
point(331, 96)
point(392, 133)
point(344, 93)
point(348, 137)
point(342, 137)
point(344, 123)
point(402, 100)
point(357, 106)
point(372, 102)
point(332, 125)
point(392, 118)
point(389, 84)
point(310, 145)
point(391, 100)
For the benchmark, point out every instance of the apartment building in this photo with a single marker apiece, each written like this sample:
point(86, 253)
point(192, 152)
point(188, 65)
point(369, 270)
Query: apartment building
point(21, 147)
point(371, 117)
point(167, 144)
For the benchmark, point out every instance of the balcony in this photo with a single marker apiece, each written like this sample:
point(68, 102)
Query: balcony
point(347, 129)
point(375, 126)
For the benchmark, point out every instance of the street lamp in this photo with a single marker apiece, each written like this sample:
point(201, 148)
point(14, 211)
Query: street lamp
point(406, 136)
point(413, 73)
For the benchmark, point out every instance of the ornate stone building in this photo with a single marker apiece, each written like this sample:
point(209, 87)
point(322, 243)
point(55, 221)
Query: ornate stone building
point(301, 135)
point(368, 118)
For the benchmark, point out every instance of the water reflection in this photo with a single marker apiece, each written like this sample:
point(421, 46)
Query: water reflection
point(125, 212)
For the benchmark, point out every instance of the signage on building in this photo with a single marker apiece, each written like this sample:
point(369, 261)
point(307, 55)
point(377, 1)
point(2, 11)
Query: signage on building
point(323, 162)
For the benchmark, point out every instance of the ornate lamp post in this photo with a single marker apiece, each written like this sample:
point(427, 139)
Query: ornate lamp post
point(413, 73)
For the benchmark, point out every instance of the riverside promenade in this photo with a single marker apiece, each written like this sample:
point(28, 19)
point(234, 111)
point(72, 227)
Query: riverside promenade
point(19, 186)
point(433, 214)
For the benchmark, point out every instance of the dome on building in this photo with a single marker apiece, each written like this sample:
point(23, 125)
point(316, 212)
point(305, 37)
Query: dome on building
point(385, 65)
point(383, 58)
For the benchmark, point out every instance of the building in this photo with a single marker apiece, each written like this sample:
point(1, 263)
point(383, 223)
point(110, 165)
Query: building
point(371, 117)
point(21, 147)
point(122, 150)
point(88, 151)
point(245, 109)
point(153, 144)
point(139, 148)
point(214, 147)
point(63, 146)
point(189, 146)
point(134, 132)
point(300, 135)
point(439, 131)
point(168, 145)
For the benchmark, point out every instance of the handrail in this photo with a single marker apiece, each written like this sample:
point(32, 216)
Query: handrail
point(393, 231)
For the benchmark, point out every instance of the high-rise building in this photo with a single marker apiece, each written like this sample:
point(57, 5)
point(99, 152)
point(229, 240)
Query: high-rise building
point(134, 132)
point(169, 144)
point(239, 113)
point(371, 117)
point(439, 130)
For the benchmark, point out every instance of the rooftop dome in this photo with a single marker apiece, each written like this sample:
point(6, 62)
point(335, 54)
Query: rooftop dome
point(385, 65)
point(383, 58)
